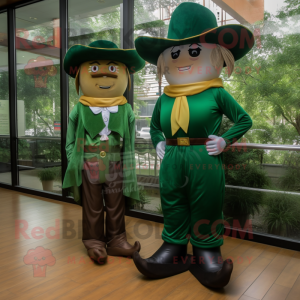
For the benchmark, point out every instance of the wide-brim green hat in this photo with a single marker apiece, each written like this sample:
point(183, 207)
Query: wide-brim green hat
point(193, 23)
point(101, 49)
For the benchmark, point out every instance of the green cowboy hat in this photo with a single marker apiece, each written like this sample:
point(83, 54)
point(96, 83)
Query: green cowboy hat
point(101, 49)
point(193, 23)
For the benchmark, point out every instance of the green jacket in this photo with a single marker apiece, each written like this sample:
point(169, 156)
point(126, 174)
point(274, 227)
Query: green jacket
point(85, 125)
point(206, 112)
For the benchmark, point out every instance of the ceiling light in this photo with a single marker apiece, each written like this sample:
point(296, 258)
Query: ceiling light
point(32, 18)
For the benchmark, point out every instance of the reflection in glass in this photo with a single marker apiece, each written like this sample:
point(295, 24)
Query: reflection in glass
point(5, 165)
point(40, 164)
point(38, 93)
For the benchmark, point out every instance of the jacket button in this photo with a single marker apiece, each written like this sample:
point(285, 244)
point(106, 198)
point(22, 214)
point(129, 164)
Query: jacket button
point(102, 153)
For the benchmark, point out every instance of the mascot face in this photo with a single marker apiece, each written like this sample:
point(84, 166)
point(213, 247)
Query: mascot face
point(189, 64)
point(103, 78)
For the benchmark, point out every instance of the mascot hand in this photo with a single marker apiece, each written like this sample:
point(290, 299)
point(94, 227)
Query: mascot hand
point(160, 149)
point(216, 145)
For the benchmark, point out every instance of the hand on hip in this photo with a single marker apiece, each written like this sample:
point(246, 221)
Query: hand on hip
point(216, 145)
point(160, 149)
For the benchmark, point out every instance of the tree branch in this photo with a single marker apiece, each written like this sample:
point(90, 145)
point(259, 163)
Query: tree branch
point(252, 77)
point(234, 81)
point(44, 122)
point(286, 118)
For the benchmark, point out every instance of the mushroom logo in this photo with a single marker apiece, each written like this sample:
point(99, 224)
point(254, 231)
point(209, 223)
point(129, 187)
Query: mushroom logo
point(39, 258)
point(40, 68)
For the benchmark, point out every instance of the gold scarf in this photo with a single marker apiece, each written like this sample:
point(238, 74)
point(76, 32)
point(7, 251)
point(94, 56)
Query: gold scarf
point(102, 102)
point(180, 116)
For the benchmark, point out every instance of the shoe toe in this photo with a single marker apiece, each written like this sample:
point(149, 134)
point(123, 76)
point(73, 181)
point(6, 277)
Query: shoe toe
point(137, 246)
point(215, 280)
point(97, 255)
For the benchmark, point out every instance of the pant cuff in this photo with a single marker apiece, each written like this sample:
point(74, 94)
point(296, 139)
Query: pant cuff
point(207, 244)
point(174, 241)
point(92, 243)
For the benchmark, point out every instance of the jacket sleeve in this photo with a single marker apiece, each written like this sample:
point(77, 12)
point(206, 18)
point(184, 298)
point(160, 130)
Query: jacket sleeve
point(71, 132)
point(130, 186)
point(231, 109)
point(132, 128)
point(155, 128)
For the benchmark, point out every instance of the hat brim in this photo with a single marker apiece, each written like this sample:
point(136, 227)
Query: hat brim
point(236, 38)
point(79, 54)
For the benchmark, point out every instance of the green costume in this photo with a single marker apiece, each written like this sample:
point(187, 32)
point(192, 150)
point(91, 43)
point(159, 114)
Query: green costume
point(83, 141)
point(191, 181)
point(100, 147)
point(83, 131)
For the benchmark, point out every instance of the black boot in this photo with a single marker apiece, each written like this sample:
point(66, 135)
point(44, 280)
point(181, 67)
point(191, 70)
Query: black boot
point(168, 260)
point(209, 268)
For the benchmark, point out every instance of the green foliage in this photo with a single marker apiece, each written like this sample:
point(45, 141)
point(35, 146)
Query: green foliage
point(242, 202)
point(245, 170)
point(282, 213)
point(242, 168)
point(291, 180)
point(24, 150)
point(269, 92)
point(5, 150)
point(42, 105)
point(50, 174)
point(46, 174)
point(159, 209)
point(143, 200)
point(57, 172)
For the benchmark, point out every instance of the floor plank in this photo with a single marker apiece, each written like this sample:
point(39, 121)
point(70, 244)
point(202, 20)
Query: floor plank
point(295, 291)
point(277, 292)
point(260, 271)
point(266, 279)
point(246, 298)
point(290, 274)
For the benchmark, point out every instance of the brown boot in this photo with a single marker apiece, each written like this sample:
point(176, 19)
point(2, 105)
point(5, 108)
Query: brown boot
point(93, 236)
point(119, 246)
point(98, 254)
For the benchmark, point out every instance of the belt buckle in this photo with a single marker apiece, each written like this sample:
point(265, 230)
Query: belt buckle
point(183, 141)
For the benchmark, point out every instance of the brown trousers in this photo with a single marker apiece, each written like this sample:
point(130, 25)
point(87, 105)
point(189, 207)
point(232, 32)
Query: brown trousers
point(93, 234)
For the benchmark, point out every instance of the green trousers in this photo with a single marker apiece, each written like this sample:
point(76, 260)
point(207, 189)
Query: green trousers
point(192, 185)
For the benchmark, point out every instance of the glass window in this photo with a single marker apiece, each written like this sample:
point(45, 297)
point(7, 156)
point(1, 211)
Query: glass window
point(38, 94)
point(5, 166)
point(262, 185)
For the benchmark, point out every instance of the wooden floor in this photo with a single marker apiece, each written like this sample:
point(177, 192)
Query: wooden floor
point(260, 271)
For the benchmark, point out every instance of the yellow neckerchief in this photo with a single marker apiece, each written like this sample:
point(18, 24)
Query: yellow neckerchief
point(102, 102)
point(180, 116)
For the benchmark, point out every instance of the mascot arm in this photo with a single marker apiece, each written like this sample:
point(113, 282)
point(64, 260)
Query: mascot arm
point(71, 132)
point(155, 128)
point(131, 127)
point(231, 109)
